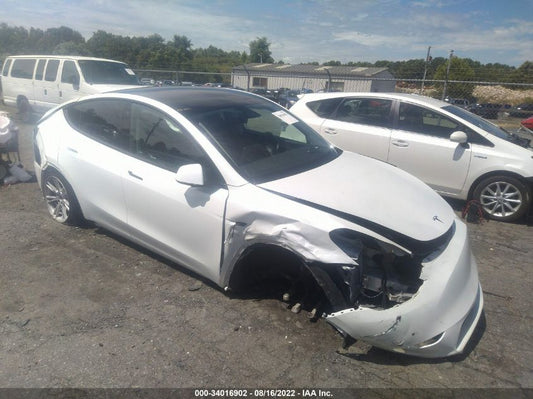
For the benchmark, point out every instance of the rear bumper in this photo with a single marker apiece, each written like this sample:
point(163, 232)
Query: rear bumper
point(440, 318)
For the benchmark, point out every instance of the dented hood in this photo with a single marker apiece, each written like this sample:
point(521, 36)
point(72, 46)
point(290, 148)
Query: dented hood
point(373, 194)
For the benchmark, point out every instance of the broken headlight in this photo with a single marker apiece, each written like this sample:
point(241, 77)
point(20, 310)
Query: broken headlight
point(382, 275)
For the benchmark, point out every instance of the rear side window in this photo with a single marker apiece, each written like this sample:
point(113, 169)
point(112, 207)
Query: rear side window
point(106, 121)
point(365, 111)
point(136, 129)
point(5, 69)
point(23, 68)
point(39, 72)
point(324, 108)
point(51, 70)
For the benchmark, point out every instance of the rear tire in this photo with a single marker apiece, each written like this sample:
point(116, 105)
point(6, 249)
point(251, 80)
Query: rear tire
point(60, 199)
point(503, 198)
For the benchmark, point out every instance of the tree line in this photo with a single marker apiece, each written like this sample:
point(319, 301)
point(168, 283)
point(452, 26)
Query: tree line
point(154, 52)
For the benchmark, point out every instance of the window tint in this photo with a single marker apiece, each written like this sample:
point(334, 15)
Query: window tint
point(107, 121)
point(324, 108)
point(5, 69)
point(159, 140)
point(107, 72)
point(51, 70)
point(70, 73)
point(40, 69)
point(23, 68)
point(365, 111)
point(260, 139)
point(423, 120)
point(136, 129)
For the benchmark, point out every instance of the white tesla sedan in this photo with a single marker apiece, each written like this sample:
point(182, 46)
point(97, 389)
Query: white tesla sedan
point(237, 189)
point(457, 153)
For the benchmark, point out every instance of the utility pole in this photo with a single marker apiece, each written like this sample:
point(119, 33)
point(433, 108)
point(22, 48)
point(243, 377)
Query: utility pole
point(447, 74)
point(428, 60)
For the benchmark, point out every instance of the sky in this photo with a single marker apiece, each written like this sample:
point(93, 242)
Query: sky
point(300, 31)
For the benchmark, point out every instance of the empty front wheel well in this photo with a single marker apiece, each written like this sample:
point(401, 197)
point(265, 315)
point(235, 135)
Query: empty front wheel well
point(270, 271)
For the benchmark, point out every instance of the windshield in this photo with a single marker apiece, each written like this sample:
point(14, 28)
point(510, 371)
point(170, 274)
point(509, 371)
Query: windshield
point(478, 121)
point(107, 72)
point(260, 139)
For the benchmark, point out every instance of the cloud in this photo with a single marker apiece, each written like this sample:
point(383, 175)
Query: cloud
point(304, 30)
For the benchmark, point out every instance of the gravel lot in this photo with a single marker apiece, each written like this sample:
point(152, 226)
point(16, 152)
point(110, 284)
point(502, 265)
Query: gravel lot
point(80, 307)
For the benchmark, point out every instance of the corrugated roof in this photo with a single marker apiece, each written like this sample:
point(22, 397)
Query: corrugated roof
point(311, 69)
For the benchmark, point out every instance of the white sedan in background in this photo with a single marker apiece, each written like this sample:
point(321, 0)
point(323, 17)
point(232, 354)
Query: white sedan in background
point(455, 152)
point(235, 188)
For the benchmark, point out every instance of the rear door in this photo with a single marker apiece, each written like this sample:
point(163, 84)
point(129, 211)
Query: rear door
point(420, 144)
point(47, 88)
point(362, 125)
point(94, 156)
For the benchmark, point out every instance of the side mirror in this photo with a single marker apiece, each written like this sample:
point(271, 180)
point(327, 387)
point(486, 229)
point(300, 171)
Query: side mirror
point(191, 174)
point(75, 82)
point(459, 137)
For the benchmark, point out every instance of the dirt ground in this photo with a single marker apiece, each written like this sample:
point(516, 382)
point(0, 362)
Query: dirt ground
point(80, 307)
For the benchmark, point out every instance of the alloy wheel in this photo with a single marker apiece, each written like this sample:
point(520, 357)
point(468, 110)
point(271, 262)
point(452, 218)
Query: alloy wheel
point(57, 199)
point(501, 199)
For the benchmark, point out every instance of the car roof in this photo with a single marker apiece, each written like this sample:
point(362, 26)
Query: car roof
point(63, 57)
point(180, 98)
point(415, 98)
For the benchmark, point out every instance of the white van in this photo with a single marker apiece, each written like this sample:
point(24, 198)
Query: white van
point(40, 82)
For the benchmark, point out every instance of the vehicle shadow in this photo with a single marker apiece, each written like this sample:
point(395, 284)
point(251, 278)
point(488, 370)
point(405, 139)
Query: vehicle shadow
point(159, 258)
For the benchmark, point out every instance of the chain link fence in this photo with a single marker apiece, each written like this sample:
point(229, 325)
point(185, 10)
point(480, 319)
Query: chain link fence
point(499, 100)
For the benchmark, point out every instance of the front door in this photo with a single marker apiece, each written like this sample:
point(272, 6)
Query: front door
point(420, 144)
point(183, 222)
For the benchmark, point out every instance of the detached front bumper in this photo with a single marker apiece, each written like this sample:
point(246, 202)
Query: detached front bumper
point(438, 320)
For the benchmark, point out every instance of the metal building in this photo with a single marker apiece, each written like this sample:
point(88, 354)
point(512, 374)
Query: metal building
point(314, 77)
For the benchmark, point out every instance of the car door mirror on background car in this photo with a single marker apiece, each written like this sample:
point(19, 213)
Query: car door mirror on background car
point(459, 137)
point(191, 174)
point(75, 80)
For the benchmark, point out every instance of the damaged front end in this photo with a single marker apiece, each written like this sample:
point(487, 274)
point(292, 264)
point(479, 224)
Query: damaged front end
point(381, 276)
point(425, 304)
point(419, 296)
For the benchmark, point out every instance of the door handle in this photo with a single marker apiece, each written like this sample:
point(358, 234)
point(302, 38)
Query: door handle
point(134, 175)
point(400, 143)
point(330, 130)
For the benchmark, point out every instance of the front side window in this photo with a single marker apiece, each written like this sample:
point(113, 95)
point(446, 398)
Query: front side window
point(5, 69)
point(51, 70)
point(23, 68)
point(365, 111)
point(159, 140)
point(414, 118)
point(69, 73)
